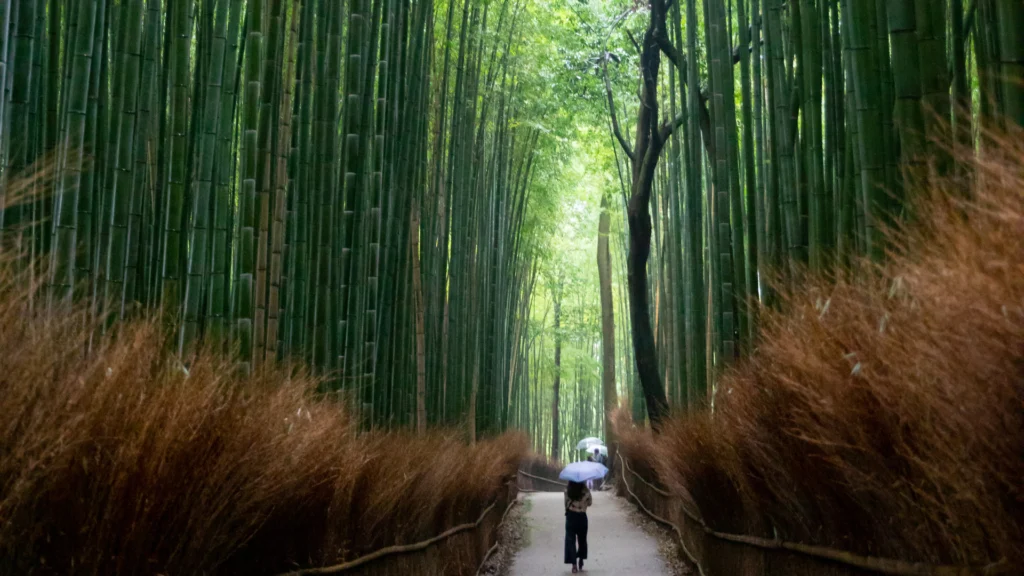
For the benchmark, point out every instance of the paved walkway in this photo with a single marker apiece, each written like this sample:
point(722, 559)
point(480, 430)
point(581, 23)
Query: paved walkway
point(617, 546)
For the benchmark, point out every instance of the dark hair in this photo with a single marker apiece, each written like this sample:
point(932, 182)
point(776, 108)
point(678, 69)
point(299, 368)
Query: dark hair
point(574, 490)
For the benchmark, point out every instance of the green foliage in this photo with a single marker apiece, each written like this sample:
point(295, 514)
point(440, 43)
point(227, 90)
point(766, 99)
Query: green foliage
point(390, 191)
point(803, 162)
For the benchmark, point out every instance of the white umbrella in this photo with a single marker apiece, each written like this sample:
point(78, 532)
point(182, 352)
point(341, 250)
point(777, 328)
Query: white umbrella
point(586, 443)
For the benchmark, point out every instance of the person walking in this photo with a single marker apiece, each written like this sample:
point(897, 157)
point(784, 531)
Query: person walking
point(577, 500)
point(600, 459)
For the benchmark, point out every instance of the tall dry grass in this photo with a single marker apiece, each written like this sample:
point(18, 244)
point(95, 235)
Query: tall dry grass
point(883, 416)
point(538, 466)
point(117, 462)
point(541, 465)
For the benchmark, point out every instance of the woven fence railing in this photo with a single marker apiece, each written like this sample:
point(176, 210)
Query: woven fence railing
point(717, 553)
point(532, 483)
point(423, 558)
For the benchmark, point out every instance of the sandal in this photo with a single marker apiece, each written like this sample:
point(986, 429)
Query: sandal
point(574, 570)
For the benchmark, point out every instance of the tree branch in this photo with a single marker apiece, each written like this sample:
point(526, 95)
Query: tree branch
point(650, 96)
point(611, 108)
point(650, 160)
point(615, 24)
point(673, 53)
point(650, 63)
point(678, 59)
point(668, 128)
point(633, 40)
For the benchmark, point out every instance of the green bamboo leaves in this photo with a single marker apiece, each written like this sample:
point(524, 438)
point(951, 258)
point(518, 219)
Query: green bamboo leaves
point(206, 165)
point(842, 111)
point(351, 185)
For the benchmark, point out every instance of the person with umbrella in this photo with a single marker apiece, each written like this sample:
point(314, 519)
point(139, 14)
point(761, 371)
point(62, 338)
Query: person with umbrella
point(577, 499)
point(591, 458)
point(598, 457)
point(596, 452)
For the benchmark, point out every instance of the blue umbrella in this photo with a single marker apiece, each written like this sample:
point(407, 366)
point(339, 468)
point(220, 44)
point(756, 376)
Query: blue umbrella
point(583, 471)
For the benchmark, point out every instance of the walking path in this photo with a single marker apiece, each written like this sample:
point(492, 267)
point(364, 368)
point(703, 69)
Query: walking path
point(617, 546)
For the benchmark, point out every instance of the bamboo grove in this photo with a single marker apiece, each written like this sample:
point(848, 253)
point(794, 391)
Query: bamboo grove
point(342, 184)
point(557, 392)
point(791, 134)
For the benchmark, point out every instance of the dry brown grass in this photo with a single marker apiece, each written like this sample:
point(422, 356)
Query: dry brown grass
point(117, 463)
point(541, 465)
point(884, 416)
point(634, 442)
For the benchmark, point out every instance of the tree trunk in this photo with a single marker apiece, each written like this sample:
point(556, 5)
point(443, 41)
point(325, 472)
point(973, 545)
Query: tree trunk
point(650, 139)
point(604, 273)
point(417, 287)
point(906, 73)
point(693, 238)
point(1010, 18)
point(558, 375)
point(868, 96)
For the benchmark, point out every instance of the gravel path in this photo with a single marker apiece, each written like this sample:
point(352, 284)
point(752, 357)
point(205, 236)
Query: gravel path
point(617, 546)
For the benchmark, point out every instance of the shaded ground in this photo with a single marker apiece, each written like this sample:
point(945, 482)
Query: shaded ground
point(617, 545)
point(671, 552)
point(511, 539)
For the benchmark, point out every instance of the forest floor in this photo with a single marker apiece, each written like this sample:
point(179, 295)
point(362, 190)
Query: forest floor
point(668, 544)
point(511, 539)
point(617, 545)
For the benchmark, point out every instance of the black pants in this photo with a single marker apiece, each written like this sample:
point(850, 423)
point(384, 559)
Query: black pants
point(575, 530)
